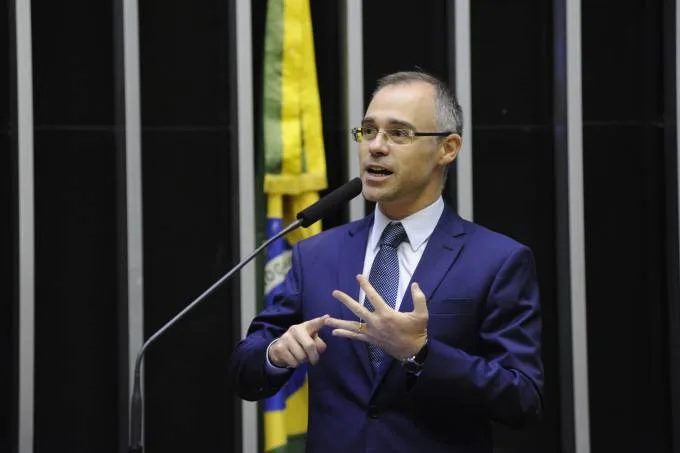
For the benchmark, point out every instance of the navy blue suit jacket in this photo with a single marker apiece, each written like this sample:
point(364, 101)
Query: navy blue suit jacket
point(483, 363)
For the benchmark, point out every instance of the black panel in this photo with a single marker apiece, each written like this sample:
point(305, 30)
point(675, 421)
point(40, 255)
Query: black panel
point(7, 68)
point(514, 167)
point(395, 39)
point(503, 197)
point(8, 296)
point(76, 292)
point(511, 66)
point(76, 236)
point(626, 290)
point(625, 218)
point(184, 54)
point(188, 219)
point(622, 48)
point(520, 203)
point(8, 289)
point(328, 45)
point(73, 63)
point(672, 215)
point(8, 236)
point(190, 195)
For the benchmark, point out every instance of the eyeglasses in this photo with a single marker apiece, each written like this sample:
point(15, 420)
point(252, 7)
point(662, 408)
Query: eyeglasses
point(397, 136)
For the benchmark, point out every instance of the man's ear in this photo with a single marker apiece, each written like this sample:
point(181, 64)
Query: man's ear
point(450, 147)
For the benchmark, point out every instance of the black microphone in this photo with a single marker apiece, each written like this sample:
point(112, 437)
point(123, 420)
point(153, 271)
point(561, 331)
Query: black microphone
point(306, 217)
point(319, 209)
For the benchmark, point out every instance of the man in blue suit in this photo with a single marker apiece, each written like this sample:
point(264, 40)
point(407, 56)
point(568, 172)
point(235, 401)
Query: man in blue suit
point(420, 328)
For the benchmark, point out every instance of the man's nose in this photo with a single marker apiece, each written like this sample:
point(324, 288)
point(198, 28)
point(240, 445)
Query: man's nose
point(379, 143)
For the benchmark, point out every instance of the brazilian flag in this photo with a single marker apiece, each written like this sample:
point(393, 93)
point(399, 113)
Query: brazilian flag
point(295, 173)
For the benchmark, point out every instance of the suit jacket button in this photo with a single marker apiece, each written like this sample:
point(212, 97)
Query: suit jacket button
point(373, 412)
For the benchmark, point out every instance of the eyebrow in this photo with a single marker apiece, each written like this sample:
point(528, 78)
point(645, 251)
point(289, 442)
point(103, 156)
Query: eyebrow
point(392, 122)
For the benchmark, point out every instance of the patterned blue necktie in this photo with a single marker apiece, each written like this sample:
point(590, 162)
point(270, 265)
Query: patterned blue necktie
point(384, 277)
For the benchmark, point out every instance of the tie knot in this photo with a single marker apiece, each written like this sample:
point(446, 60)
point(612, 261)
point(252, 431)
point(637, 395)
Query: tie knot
point(393, 235)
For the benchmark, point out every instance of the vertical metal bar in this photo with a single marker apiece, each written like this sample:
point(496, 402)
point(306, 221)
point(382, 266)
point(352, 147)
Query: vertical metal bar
point(354, 90)
point(24, 81)
point(133, 185)
point(571, 228)
point(246, 156)
point(577, 227)
point(464, 94)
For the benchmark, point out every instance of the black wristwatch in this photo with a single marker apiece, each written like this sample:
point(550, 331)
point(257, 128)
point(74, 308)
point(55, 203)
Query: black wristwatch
point(414, 364)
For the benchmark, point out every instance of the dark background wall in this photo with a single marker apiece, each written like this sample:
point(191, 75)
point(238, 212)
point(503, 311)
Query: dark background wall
point(514, 166)
point(190, 192)
point(76, 291)
point(190, 235)
point(190, 230)
point(625, 114)
point(8, 230)
point(423, 44)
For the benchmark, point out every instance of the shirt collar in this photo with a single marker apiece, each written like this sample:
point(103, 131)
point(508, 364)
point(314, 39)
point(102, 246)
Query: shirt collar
point(418, 226)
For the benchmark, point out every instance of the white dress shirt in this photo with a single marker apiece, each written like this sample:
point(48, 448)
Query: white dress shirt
point(418, 227)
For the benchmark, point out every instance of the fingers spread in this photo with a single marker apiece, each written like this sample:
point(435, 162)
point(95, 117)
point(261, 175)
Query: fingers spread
point(351, 334)
point(342, 324)
point(372, 295)
point(354, 306)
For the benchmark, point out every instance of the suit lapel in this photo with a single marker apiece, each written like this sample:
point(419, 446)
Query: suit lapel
point(441, 252)
point(351, 262)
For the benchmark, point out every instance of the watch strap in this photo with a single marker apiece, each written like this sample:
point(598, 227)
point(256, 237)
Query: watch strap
point(414, 364)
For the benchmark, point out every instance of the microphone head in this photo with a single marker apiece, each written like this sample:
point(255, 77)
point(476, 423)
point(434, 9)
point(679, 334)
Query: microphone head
point(342, 194)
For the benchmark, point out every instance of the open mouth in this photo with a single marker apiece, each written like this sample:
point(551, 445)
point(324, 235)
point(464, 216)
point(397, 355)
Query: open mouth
point(377, 171)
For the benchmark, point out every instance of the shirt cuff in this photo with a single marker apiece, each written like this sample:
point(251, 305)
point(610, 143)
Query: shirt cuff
point(270, 367)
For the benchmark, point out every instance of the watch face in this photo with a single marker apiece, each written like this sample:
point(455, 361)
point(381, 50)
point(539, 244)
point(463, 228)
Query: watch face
point(412, 366)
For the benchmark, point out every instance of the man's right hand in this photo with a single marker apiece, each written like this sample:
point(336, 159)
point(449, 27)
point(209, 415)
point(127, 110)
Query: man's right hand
point(300, 344)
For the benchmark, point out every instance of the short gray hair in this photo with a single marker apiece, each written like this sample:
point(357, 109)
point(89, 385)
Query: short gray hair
point(448, 113)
